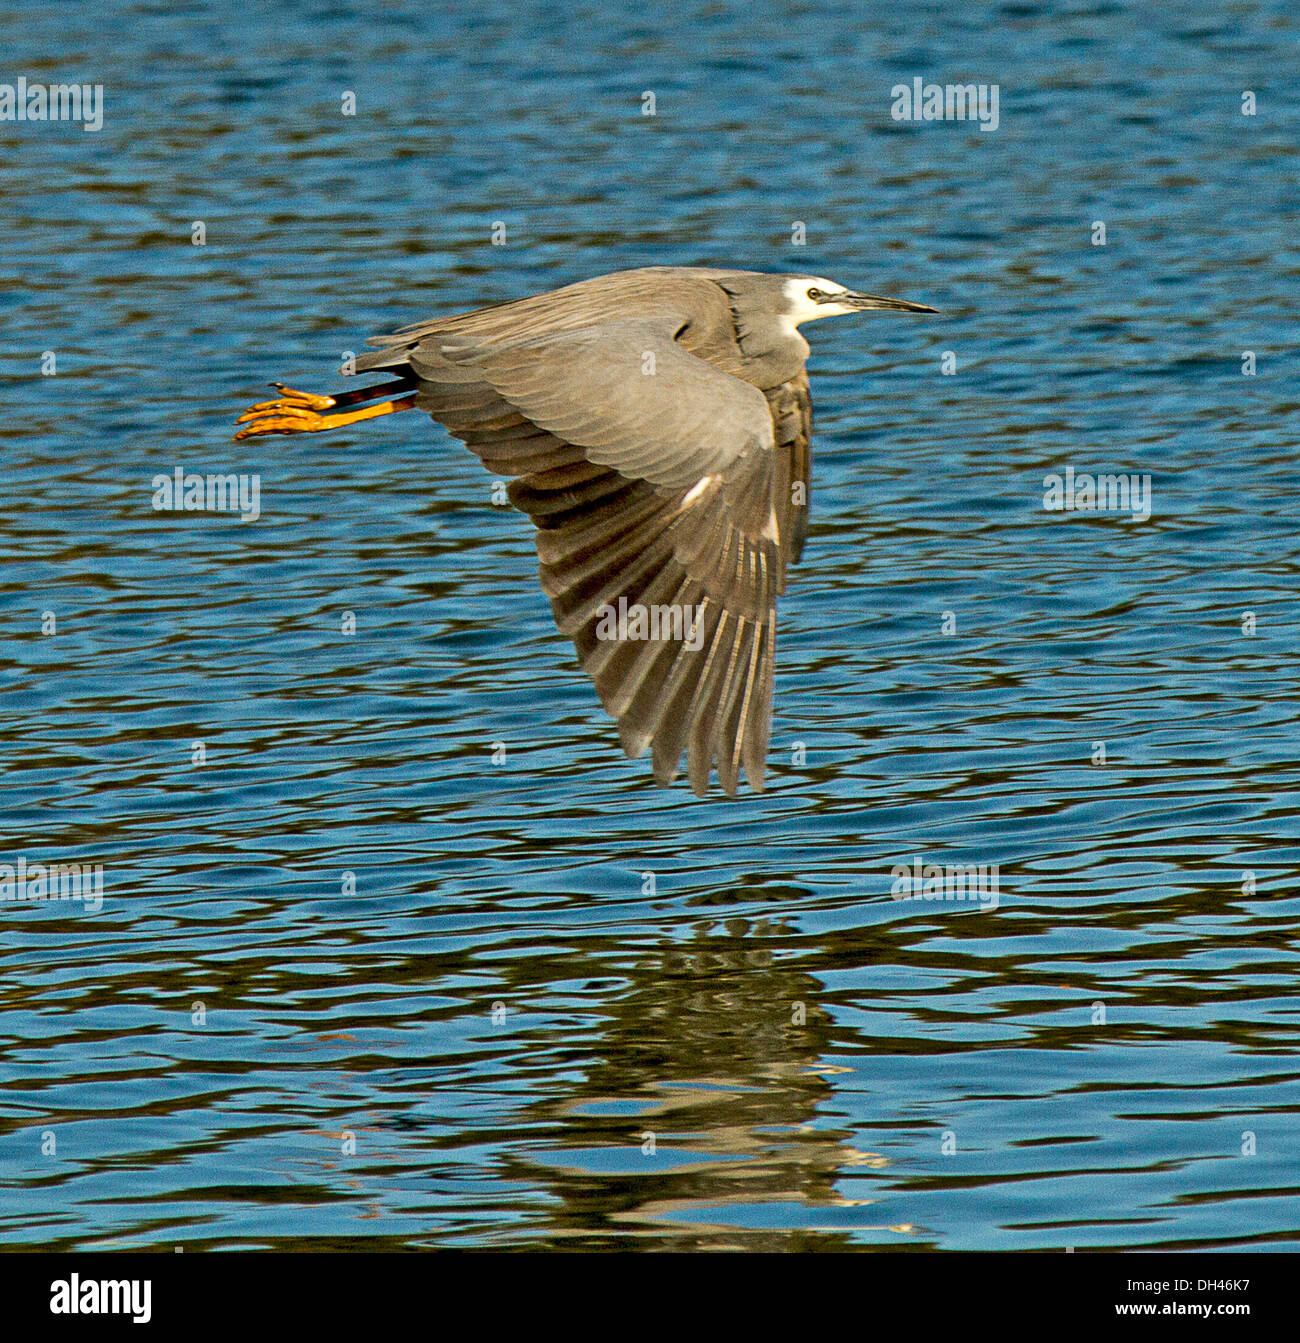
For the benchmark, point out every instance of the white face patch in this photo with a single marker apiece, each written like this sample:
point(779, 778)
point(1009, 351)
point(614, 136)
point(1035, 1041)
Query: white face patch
point(805, 309)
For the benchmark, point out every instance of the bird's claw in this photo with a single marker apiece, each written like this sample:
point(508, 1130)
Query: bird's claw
point(290, 413)
point(277, 418)
point(299, 400)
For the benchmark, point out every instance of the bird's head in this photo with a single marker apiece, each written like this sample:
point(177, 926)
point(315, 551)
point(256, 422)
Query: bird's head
point(808, 297)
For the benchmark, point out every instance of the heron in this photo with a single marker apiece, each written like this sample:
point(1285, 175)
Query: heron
point(655, 425)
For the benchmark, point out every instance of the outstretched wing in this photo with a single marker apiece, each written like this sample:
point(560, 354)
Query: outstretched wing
point(659, 485)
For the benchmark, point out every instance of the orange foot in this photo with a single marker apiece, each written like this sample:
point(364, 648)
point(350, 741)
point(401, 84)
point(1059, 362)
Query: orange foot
point(298, 413)
point(274, 418)
point(302, 400)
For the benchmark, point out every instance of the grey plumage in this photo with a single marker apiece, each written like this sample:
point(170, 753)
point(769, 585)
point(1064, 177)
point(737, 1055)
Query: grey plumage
point(655, 424)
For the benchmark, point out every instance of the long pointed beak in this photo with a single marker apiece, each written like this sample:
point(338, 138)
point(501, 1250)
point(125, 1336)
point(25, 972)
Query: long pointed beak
point(865, 301)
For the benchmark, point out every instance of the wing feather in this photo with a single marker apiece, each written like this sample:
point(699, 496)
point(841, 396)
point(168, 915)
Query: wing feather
point(679, 488)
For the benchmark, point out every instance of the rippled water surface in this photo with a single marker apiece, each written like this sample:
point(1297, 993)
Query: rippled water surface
point(354, 983)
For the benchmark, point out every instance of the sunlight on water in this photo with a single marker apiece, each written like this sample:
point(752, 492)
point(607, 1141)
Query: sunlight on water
point(353, 981)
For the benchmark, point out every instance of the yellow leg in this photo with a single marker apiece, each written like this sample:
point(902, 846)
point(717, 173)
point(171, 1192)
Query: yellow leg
point(287, 416)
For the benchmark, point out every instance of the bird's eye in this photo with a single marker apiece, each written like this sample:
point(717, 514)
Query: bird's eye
point(816, 294)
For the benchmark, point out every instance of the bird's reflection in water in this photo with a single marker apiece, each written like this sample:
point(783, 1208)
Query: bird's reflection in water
point(707, 1094)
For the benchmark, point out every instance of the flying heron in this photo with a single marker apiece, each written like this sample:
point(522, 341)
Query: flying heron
point(656, 424)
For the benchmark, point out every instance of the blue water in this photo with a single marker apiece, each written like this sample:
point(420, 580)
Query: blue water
point(553, 1004)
